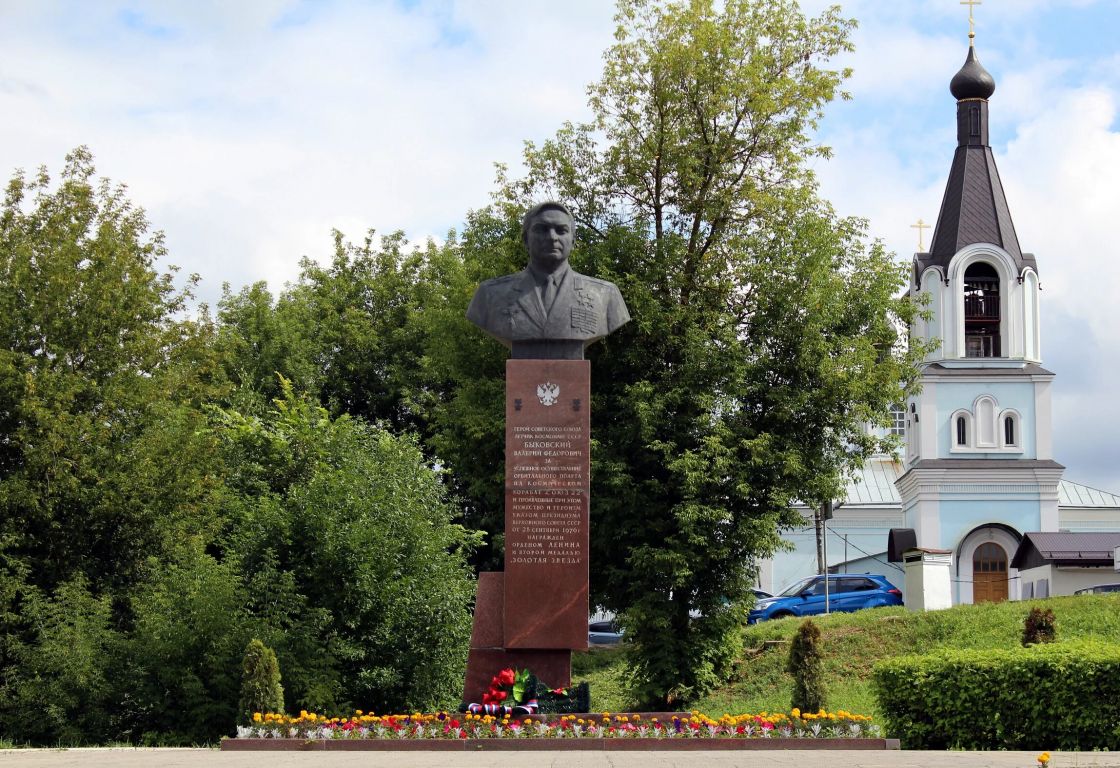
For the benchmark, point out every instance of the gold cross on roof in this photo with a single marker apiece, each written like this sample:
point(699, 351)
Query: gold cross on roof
point(920, 226)
point(971, 24)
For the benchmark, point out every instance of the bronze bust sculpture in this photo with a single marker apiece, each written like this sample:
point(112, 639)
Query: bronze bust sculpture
point(548, 310)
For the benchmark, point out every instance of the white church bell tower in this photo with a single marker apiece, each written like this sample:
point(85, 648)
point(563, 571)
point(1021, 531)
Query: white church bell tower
point(979, 466)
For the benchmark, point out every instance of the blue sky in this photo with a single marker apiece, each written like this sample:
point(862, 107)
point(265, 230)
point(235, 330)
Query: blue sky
point(250, 129)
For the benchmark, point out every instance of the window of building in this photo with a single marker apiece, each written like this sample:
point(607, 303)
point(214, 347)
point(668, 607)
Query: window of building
point(1011, 430)
point(962, 431)
point(898, 420)
point(981, 311)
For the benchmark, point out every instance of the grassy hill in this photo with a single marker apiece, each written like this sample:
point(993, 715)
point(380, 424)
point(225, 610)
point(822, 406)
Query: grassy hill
point(853, 642)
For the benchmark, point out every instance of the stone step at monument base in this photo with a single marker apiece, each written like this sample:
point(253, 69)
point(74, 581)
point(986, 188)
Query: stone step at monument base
point(488, 654)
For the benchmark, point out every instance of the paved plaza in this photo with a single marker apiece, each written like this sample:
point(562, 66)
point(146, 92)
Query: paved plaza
point(198, 758)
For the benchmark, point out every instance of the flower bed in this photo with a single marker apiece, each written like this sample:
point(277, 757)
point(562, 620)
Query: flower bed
point(309, 726)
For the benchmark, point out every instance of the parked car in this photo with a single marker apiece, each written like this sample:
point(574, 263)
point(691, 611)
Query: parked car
point(603, 633)
point(846, 592)
point(758, 595)
point(1098, 589)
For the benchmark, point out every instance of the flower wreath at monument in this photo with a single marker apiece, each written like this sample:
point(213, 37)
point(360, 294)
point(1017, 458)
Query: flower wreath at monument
point(521, 693)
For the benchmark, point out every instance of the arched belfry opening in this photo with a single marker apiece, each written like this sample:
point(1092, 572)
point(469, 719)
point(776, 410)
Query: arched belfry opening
point(981, 311)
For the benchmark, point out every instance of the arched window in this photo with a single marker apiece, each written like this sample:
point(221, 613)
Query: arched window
point(962, 439)
point(981, 311)
point(1011, 430)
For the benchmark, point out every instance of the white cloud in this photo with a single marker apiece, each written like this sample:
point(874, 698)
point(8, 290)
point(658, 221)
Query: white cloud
point(250, 129)
point(1061, 168)
point(247, 142)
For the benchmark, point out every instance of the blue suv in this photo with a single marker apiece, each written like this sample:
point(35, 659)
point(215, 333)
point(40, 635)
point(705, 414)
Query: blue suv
point(846, 592)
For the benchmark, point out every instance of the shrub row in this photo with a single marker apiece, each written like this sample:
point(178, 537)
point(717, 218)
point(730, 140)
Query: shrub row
point(1061, 696)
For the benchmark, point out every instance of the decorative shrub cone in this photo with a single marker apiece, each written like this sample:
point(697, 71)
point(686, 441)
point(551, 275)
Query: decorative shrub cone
point(806, 666)
point(1040, 626)
point(260, 682)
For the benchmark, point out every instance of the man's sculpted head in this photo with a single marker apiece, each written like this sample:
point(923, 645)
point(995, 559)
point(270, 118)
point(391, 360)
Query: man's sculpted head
point(547, 231)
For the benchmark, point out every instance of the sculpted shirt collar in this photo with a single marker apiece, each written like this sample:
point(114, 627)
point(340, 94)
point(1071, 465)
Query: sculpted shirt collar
point(539, 278)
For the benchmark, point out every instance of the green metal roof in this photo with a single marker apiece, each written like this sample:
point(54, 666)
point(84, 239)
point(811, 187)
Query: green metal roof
point(874, 485)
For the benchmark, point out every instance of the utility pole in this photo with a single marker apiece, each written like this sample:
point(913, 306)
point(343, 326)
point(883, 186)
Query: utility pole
point(823, 515)
point(818, 513)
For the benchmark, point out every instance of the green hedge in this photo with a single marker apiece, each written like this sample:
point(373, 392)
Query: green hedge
point(1059, 696)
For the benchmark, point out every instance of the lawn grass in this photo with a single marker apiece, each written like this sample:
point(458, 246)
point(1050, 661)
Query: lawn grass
point(853, 643)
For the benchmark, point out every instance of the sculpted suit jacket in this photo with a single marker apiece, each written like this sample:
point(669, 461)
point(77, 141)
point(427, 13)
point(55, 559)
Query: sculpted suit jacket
point(509, 309)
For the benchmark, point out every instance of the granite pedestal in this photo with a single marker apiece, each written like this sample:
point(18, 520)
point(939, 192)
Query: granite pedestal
point(534, 613)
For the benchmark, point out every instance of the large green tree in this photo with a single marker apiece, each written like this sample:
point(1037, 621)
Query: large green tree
point(96, 366)
point(106, 472)
point(380, 334)
point(349, 333)
point(765, 326)
point(165, 496)
point(355, 572)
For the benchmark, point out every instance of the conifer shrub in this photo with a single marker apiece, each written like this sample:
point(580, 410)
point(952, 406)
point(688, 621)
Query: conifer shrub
point(260, 683)
point(1040, 626)
point(807, 667)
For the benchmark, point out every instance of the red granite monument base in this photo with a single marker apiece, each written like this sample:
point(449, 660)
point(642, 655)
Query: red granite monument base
point(533, 614)
point(488, 654)
point(548, 488)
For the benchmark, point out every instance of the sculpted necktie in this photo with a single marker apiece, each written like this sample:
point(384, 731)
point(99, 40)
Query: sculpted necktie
point(550, 290)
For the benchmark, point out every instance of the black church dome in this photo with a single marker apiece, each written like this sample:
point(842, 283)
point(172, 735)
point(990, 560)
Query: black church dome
point(972, 81)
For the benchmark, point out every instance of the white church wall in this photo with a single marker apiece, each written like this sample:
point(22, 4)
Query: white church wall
point(932, 328)
point(1043, 434)
point(992, 400)
point(1084, 520)
point(1016, 507)
point(1062, 580)
point(1033, 344)
point(929, 423)
point(847, 539)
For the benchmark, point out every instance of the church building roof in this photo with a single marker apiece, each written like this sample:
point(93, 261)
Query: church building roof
point(972, 81)
point(1064, 548)
point(1074, 495)
point(873, 485)
point(974, 207)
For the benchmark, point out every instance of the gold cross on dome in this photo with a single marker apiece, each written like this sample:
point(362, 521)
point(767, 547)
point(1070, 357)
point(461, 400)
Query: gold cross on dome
point(971, 23)
point(920, 226)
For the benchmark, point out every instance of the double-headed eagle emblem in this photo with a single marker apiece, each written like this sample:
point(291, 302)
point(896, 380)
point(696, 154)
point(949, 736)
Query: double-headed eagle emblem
point(548, 393)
